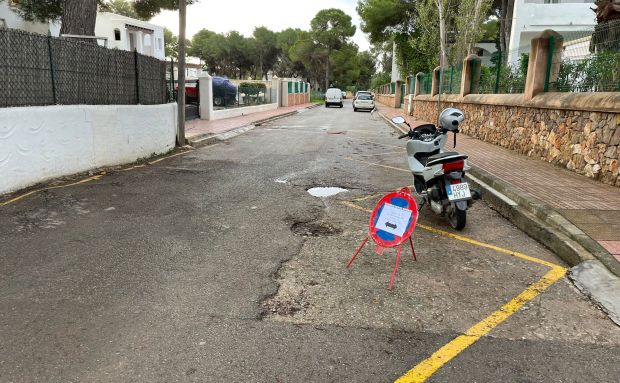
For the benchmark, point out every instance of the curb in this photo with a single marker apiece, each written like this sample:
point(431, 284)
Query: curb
point(210, 138)
point(594, 271)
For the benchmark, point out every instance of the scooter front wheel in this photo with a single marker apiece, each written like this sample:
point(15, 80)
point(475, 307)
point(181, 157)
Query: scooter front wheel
point(457, 218)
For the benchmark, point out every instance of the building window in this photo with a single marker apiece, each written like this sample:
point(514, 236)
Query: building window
point(159, 44)
point(2, 23)
point(117, 34)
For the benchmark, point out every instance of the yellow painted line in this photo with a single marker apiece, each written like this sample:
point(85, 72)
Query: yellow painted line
point(489, 246)
point(375, 164)
point(429, 366)
point(93, 178)
point(89, 179)
point(469, 240)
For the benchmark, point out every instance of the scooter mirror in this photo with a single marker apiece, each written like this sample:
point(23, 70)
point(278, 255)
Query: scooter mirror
point(398, 120)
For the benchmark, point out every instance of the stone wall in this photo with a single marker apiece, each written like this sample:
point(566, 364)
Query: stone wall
point(582, 139)
point(386, 99)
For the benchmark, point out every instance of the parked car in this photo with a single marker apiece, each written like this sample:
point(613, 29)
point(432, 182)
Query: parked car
point(191, 91)
point(363, 102)
point(224, 91)
point(359, 92)
point(333, 96)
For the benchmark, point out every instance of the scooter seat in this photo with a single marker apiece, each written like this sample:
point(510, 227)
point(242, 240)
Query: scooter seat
point(444, 157)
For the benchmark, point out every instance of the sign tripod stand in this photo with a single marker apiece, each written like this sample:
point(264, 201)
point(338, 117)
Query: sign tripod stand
point(391, 224)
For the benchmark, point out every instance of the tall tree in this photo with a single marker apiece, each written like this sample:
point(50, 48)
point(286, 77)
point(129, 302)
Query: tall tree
point(503, 10)
point(79, 17)
point(468, 23)
point(331, 29)
point(266, 50)
point(149, 8)
point(285, 66)
point(170, 43)
point(120, 7)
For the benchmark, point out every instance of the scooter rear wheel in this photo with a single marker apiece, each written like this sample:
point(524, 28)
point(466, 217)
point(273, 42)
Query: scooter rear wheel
point(458, 218)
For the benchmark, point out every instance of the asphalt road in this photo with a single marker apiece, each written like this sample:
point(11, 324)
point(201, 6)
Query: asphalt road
point(217, 265)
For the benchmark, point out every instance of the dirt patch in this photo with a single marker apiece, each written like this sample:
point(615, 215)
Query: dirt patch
point(287, 302)
point(314, 229)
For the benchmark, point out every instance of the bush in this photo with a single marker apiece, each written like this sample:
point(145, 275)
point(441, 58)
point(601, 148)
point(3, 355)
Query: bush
point(252, 88)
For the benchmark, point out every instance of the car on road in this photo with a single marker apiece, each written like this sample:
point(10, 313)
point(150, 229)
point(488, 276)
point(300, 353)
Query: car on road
point(333, 96)
point(363, 102)
point(360, 92)
point(344, 95)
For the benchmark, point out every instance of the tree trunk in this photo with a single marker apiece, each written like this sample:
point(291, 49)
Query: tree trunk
point(327, 70)
point(79, 18)
point(442, 33)
point(505, 24)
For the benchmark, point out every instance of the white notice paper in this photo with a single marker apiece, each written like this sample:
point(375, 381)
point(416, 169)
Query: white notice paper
point(393, 219)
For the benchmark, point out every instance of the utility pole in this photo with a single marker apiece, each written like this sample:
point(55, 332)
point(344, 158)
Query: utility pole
point(181, 65)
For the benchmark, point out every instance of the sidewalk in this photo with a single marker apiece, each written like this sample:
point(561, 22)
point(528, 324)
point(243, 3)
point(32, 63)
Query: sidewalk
point(592, 206)
point(197, 127)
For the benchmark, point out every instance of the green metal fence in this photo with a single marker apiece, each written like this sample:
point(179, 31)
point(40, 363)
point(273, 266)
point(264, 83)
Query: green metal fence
point(451, 82)
point(504, 72)
point(589, 62)
point(426, 83)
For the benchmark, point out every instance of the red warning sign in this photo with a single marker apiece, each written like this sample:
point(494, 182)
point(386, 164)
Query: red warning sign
point(391, 223)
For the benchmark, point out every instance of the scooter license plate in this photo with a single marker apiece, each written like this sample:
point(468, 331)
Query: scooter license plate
point(458, 191)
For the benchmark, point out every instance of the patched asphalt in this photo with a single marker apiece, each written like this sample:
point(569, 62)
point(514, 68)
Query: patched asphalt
point(217, 265)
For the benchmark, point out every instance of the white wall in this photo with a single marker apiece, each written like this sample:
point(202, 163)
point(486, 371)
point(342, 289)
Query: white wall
point(41, 143)
point(13, 20)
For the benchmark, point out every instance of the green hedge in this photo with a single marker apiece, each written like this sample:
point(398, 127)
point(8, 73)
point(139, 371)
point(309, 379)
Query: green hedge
point(252, 88)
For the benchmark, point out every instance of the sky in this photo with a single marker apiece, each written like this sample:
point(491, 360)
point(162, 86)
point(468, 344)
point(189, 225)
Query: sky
point(244, 15)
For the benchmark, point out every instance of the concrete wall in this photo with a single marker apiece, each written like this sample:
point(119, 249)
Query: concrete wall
point(41, 143)
point(577, 131)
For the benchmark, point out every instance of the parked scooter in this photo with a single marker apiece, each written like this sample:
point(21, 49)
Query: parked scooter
point(438, 176)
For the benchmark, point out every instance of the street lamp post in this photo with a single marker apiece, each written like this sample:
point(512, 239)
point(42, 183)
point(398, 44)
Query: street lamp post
point(181, 76)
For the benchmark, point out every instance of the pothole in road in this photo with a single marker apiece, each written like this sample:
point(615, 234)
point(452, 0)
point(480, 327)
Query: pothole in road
point(314, 229)
point(325, 191)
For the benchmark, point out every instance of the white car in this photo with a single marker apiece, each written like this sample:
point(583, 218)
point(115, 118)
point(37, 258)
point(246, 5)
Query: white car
point(333, 96)
point(363, 101)
point(359, 92)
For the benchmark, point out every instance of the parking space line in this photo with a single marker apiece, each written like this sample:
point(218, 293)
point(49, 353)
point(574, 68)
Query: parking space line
point(89, 179)
point(85, 180)
point(430, 365)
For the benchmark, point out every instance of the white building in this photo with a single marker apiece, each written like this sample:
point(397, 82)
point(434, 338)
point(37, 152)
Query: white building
point(116, 31)
point(567, 17)
point(128, 34)
point(10, 19)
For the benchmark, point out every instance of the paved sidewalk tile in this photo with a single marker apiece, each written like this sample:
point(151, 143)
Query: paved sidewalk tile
point(199, 127)
point(591, 205)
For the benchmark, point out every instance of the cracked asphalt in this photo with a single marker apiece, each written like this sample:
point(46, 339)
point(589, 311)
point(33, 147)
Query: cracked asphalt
point(217, 265)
